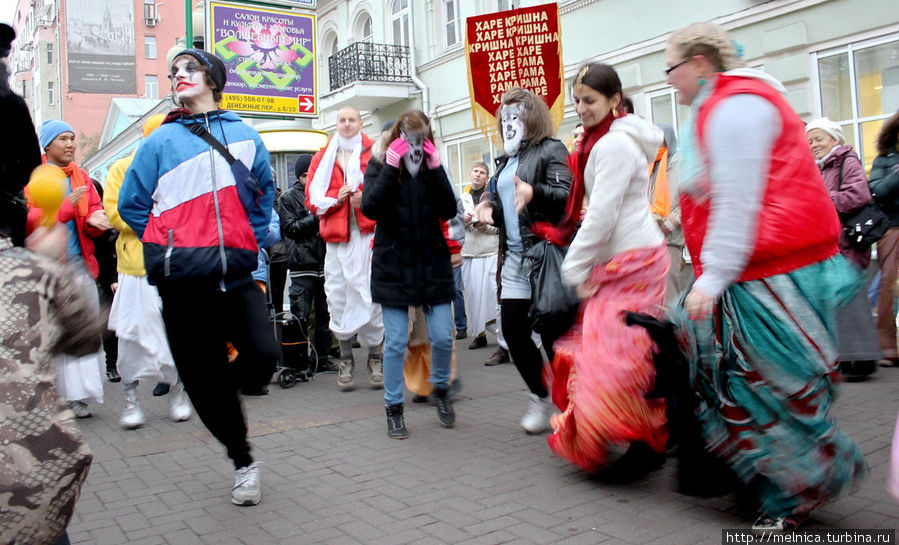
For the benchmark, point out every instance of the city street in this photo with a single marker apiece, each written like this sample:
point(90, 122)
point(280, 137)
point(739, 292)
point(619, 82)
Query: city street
point(332, 476)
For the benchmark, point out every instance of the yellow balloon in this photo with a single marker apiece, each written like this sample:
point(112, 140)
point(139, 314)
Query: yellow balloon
point(47, 187)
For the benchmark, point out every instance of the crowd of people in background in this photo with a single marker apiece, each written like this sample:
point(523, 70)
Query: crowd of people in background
point(731, 231)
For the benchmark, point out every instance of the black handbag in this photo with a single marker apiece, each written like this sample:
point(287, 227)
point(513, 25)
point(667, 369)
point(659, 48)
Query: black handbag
point(247, 185)
point(866, 225)
point(554, 305)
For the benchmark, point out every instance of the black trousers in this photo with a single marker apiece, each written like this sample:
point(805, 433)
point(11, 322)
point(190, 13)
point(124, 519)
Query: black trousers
point(110, 341)
point(525, 354)
point(308, 293)
point(277, 273)
point(197, 324)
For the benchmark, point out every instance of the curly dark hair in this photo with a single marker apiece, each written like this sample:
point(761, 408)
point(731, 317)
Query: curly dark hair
point(886, 140)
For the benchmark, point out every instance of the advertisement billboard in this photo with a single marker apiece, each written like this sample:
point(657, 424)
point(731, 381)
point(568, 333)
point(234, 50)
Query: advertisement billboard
point(269, 54)
point(100, 46)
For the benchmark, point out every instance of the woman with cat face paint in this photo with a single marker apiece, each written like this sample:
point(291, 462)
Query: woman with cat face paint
point(407, 192)
point(531, 185)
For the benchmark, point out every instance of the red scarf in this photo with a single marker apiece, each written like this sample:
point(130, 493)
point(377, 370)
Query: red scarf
point(76, 180)
point(562, 233)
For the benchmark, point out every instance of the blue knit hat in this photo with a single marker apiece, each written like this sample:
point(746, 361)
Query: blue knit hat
point(52, 128)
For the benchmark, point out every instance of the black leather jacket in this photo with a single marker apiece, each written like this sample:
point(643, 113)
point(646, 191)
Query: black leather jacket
point(545, 167)
point(299, 227)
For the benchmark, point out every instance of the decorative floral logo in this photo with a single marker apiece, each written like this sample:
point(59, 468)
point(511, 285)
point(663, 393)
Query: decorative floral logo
point(268, 46)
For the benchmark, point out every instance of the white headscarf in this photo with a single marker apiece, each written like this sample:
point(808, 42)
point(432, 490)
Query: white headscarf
point(353, 175)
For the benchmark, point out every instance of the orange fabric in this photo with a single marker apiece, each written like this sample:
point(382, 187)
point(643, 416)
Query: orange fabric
point(661, 199)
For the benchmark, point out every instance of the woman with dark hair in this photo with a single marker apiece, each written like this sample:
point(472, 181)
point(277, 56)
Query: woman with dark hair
point(762, 233)
point(407, 192)
point(884, 184)
point(531, 185)
point(603, 368)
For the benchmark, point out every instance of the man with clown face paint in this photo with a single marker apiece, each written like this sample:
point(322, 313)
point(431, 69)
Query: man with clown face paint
point(531, 185)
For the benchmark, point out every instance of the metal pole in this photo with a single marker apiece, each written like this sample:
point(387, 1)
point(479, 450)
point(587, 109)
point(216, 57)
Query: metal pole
point(188, 19)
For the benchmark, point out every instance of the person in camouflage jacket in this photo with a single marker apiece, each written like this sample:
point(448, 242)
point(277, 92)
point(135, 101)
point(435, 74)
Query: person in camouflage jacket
point(44, 459)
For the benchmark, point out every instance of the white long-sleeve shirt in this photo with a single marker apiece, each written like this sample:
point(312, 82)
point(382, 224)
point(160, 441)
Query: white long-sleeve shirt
point(616, 179)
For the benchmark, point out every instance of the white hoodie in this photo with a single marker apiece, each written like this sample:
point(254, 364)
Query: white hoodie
point(616, 180)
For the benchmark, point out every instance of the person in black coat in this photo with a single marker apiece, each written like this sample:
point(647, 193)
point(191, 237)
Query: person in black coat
point(407, 192)
point(21, 151)
point(107, 284)
point(306, 261)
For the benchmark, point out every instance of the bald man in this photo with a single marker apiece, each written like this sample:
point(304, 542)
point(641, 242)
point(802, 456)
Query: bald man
point(334, 194)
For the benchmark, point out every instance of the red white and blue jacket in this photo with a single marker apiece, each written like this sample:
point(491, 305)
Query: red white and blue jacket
point(180, 197)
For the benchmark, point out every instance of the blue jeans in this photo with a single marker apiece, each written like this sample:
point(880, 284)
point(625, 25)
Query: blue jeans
point(396, 337)
point(459, 302)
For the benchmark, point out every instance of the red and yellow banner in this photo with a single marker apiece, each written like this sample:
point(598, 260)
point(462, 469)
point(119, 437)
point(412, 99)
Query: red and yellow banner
point(515, 48)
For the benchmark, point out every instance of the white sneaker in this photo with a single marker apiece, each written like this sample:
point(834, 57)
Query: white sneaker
point(536, 419)
point(246, 489)
point(179, 408)
point(132, 415)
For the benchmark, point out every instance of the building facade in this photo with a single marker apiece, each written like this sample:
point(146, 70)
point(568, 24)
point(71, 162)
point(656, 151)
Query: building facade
point(72, 57)
point(837, 58)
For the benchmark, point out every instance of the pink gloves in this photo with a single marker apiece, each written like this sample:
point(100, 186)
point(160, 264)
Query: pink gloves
point(395, 152)
point(432, 156)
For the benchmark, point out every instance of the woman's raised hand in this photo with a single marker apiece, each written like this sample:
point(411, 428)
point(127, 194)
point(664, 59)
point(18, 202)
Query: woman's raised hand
point(432, 156)
point(395, 152)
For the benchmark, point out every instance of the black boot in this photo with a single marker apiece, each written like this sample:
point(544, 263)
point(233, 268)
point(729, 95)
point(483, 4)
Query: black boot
point(444, 407)
point(396, 427)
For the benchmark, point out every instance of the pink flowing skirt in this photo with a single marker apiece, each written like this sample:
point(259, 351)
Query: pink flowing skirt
point(603, 368)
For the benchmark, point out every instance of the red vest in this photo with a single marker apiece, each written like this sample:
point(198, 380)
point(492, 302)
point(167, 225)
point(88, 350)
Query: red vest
point(797, 223)
point(334, 224)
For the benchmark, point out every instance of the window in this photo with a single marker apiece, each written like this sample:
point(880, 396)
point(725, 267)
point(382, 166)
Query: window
point(453, 23)
point(329, 46)
point(503, 5)
point(363, 28)
point(463, 153)
point(151, 86)
point(663, 108)
point(49, 52)
point(399, 17)
point(858, 88)
point(50, 93)
point(149, 47)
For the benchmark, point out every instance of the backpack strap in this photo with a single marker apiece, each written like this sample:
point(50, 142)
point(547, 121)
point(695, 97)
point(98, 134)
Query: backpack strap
point(199, 130)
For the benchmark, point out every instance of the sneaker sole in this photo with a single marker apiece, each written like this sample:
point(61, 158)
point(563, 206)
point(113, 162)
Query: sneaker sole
point(246, 503)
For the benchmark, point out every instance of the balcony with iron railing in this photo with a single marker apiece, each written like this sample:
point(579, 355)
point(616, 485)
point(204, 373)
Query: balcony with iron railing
point(368, 76)
point(363, 61)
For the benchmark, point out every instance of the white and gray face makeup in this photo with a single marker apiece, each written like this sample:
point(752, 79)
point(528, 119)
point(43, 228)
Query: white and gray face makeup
point(416, 153)
point(513, 127)
point(188, 79)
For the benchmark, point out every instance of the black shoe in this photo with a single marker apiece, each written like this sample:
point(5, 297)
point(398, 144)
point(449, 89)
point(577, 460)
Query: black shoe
point(857, 371)
point(500, 356)
point(461, 334)
point(325, 366)
point(479, 342)
point(161, 389)
point(113, 375)
point(638, 461)
point(444, 407)
point(396, 427)
point(418, 398)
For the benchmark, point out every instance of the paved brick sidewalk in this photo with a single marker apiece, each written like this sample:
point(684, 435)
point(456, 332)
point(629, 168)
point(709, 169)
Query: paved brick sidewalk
point(332, 476)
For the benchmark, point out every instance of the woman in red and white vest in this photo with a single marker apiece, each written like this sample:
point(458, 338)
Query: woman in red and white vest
point(762, 233)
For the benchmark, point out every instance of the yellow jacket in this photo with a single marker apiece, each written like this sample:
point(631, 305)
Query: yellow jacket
point(129, 249)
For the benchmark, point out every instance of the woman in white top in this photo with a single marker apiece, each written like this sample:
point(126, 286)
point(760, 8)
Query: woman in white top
point(603, 368)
